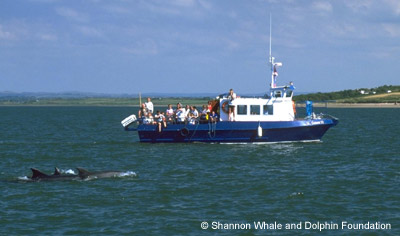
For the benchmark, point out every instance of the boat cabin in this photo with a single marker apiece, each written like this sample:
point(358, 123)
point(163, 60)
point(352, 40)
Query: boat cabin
point(276, 107)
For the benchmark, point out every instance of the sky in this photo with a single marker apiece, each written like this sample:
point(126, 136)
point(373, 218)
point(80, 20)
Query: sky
point(197, 46)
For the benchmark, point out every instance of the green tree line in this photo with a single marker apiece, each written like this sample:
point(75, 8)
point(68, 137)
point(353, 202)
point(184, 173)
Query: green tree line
point(349, 95)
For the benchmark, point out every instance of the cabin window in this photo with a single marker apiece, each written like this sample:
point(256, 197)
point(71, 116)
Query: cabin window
point(242, 109)
point(277, 94)
point(268, 109)
point(289, 93)
point(254, 109)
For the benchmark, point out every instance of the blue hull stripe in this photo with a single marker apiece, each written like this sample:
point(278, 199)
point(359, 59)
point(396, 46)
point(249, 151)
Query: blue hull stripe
point(298, 130)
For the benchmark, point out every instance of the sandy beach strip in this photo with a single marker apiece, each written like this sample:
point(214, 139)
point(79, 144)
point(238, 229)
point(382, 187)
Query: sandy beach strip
point(351, 105)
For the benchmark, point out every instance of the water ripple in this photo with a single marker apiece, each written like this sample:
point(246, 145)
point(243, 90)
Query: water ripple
point(352, 175)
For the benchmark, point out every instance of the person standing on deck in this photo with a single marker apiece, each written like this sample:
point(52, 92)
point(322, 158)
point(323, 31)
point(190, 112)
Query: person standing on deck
point(180, 114)
point(187, 111)
point(142, 111)
point(170, 114)
point(231, 97)
point(149, 105)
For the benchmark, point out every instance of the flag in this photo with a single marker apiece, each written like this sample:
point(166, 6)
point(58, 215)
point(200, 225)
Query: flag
point(275, 71)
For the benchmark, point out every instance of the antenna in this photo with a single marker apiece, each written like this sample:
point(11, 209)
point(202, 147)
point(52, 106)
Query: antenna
point(271, 59)
point(270, 38)
point(274, 72)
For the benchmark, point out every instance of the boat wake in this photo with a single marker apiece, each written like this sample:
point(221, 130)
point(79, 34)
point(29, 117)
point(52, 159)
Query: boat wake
point(24, 178)
point(269, 143)
point(127, 174)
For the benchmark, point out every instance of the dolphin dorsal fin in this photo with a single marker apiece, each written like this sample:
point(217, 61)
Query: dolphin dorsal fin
point(56, 171)
point(82, 172)
point(37, 174)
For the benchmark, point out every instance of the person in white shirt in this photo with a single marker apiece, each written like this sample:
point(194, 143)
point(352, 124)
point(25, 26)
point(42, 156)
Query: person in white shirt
point(231, 97)
point(180, 113)
point(187, 111)
point(169, 114)
point(194, 112)
point(149, 105)
point(193, 115)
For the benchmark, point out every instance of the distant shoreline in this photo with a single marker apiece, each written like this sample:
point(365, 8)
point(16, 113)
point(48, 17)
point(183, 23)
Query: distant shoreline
point(352, 105)
point(315, 104)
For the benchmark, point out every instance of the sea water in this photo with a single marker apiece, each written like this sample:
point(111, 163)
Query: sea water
point(352, 177)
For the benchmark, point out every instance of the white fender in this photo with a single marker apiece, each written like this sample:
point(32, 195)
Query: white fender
point(259, 131)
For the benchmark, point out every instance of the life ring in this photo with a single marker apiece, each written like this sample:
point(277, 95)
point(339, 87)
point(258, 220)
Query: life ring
point(225, 107)
point(184, 132)
point(294, 107)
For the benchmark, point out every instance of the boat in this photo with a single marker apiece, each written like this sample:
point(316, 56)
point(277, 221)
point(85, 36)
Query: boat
point(267, 119)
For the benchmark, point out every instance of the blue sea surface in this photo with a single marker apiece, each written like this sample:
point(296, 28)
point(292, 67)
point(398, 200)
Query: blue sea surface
point(352, 176)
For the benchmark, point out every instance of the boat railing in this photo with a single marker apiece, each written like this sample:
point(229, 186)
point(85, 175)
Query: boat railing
point(172, 120)
point(314, 116)
point(322, 115)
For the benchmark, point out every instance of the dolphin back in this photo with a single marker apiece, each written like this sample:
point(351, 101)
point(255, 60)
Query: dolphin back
point(37, 174)
point(57, 171)
point(82, 172)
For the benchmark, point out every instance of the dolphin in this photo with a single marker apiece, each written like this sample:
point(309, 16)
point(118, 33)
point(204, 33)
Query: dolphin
point(38, 175)
point(85, 174)
point(57, 171)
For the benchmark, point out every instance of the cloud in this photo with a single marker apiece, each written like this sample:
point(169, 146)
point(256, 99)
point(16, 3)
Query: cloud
point(144, 47)
point(359, 5)
point(47, 37)
point(71, 14)
point(4, 34)
point(90, 31)
point(342, 29)
point(392, 29)
point(188, 8)
point(117, 9)
point(205, 4)
point(384, 52)
point(44, 1)
point(183, 3)
point(20, 30)
point(231, 44)
point(165, 9)
point(394, 5)
point(322, 7)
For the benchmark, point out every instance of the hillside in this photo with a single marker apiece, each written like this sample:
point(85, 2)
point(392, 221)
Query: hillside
point(361, 96)
point(98, 101)
point(382, 94)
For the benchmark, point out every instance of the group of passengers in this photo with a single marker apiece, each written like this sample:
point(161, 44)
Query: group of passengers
point(190, 114)
point(146, 114)
point(181, 115)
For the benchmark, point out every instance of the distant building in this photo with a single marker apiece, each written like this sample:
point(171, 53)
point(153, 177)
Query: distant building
point(389, 91)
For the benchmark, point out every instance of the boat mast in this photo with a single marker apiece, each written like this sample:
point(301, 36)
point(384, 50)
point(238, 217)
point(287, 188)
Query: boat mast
point(274, 72)
point(271, 60)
